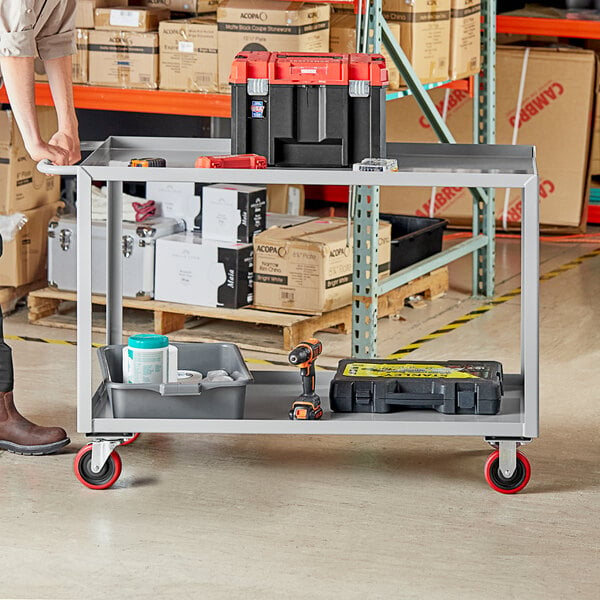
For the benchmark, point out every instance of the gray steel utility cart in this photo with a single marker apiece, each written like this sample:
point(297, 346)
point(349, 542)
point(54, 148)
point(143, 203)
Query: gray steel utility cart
point(269, 396)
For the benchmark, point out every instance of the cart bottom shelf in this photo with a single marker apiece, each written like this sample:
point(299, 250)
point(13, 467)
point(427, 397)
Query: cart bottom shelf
point(269, 398)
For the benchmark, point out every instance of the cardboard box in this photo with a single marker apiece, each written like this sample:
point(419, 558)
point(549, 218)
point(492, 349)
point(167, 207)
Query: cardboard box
point(595, 152)
point(188, 55)
point(123, 59)
point(424, 35)
point(233, 213)
point(269, 25)
point(79, 60)
point(285, 198)
point(283, 220)
point(191, 270)
point(130, 18)
point(556, 114)
point(22, 186)
point(342, 39)
point(23, 259)
point(176, 200)
point(189, 6)
point(465, 38)
point(85, 9)
point(308, 268)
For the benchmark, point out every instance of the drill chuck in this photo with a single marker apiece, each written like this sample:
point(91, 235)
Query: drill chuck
point(299, 355)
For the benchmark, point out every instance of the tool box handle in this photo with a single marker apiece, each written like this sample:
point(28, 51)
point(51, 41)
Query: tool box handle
point(415, 399)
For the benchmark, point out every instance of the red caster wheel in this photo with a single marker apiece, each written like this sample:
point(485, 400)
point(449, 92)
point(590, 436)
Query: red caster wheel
point(96, 481)
point(132, 439)
point(515, 483)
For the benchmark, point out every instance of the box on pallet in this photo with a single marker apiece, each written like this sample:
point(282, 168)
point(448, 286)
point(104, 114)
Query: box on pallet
point(308, 267)
point(176, 200)
point(137, 247)
point(79, 61)
point(190, 6)
point(23, 259)
point(285, 198)
point(130, 18)
point(558, 100)
point(123, 59)
point(269, 25)
point(465, 38)
point(424, 35)
point(233, 213)
point(22, 186)
point(191, 270)
point(342, 39)
point(188, 55)
point(85, 9)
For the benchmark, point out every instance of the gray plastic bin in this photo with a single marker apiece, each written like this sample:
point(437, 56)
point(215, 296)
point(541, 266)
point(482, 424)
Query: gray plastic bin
point(204, 400)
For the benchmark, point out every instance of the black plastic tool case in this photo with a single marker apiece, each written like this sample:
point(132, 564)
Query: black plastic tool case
point(450, 387)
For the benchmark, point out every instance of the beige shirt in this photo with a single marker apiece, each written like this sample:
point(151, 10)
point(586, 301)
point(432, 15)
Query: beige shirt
point(44, 28)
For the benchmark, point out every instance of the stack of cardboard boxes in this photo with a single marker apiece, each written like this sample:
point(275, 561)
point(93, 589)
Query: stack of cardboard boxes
point(214, 266)
point(189, 45)
point(441, 38)
point(26, 191)
point(556, 116)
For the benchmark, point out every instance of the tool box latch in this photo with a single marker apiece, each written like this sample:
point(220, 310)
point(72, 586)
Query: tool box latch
point(363, 392)
point(358, 88)
point(258, 87)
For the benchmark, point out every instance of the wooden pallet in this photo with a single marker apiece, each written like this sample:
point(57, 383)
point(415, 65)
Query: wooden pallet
point(56, 308)
point(9, 296)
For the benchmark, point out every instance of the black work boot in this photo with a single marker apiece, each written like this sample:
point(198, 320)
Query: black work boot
point(21, 436)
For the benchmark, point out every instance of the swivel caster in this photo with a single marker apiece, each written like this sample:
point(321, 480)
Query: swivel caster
point(507, 485)
point(130, 440)
point(105, 477)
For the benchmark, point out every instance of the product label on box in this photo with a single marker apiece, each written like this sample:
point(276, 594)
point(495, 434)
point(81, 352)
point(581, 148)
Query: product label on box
point(357, 369)
point(186, 47)
point(257, 109)
point(124, 18)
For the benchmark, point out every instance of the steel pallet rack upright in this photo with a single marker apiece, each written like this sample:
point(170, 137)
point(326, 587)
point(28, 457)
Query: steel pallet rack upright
point(373, 33)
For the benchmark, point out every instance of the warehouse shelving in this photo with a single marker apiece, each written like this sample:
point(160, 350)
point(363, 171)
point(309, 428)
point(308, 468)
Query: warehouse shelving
point(570, 27)
point(373, 33)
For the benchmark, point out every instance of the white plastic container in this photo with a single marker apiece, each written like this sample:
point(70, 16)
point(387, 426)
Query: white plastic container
point(148, 358)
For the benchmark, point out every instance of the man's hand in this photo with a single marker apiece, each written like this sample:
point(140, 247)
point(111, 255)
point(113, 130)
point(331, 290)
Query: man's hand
point(40, 151)
point(68, 142)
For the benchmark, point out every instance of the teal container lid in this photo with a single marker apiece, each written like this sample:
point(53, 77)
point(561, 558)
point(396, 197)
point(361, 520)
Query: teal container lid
point(148, 341)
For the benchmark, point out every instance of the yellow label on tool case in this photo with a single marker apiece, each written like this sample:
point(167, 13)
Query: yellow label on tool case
point(358, 369)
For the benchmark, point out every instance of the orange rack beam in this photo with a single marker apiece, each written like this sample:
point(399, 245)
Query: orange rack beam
point(144, 101)
point(567, 28)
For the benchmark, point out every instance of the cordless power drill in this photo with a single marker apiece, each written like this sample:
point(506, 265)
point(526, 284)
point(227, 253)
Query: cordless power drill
point(308, 405)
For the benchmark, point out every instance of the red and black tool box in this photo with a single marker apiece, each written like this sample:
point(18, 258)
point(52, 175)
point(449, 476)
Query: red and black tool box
point(308, 110)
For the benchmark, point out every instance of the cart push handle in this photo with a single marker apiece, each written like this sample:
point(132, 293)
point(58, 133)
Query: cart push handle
point(49, 168)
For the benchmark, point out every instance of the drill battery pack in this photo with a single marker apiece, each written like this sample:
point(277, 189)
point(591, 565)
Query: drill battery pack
point(450, 387)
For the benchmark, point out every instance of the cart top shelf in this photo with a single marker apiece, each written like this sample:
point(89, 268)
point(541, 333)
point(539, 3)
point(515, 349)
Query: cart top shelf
point(419, 165)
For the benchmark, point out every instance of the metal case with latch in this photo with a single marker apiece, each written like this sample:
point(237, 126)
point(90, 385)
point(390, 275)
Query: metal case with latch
point(137, 247)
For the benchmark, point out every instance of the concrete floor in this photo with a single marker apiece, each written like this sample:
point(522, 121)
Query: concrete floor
point(326, 517)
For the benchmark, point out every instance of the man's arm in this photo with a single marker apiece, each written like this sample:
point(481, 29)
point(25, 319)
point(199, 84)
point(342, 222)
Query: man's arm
point(17, 73)
point(61, 84)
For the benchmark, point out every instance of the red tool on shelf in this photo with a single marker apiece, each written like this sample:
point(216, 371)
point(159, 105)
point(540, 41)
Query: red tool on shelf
point(234, 161)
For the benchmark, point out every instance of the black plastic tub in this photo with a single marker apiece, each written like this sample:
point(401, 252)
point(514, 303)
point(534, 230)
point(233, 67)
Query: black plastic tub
point(413, 239)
